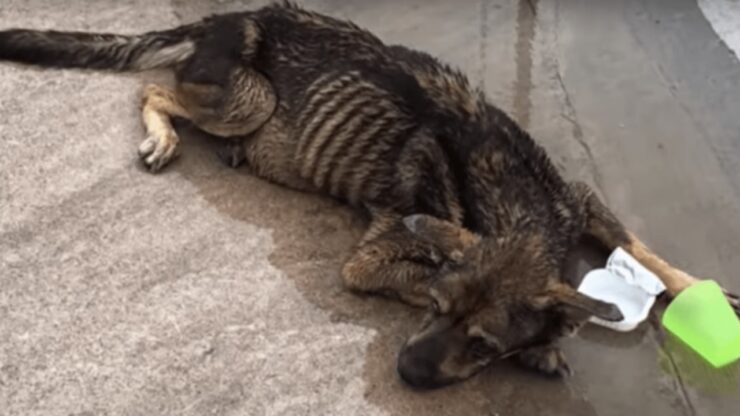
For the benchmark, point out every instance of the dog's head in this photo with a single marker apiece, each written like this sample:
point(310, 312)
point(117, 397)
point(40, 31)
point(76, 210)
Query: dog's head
point(492, 297)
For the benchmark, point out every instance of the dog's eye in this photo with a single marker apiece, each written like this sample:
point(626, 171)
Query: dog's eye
point(480, 348)
point(435, 306)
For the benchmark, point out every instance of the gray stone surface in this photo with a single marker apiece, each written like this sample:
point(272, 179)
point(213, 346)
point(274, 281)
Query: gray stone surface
point(203, 290)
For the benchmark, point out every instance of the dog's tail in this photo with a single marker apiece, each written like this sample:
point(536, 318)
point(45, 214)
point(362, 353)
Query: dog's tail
point(55, 49)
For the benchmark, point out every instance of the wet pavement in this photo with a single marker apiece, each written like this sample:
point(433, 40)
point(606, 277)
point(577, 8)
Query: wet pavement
point(203, 290)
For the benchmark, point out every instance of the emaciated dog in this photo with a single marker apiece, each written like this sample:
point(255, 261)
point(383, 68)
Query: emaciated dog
point(470, 219)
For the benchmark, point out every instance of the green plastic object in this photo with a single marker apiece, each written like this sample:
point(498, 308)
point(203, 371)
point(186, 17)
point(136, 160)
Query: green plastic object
point(701, 317)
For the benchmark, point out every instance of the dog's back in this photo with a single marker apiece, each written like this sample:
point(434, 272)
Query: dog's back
point(383, 126)
point(379, 125)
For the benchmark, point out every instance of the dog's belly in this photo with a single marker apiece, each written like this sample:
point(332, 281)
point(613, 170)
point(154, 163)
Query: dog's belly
point(270, 153)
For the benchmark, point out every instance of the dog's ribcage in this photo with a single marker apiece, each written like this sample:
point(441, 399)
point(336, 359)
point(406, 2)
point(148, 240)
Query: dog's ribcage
point(347, 133)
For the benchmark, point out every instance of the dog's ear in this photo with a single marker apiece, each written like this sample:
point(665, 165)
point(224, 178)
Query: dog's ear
point(451, 239)
point(562, 295)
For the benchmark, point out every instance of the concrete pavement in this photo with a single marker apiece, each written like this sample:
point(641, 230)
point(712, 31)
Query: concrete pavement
point(203, 290)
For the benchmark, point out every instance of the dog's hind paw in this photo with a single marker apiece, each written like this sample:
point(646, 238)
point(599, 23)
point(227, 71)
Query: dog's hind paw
point(232, 154)
point(156, 151)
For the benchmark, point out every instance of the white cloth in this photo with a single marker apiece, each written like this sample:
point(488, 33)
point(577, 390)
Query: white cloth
point(626, 283)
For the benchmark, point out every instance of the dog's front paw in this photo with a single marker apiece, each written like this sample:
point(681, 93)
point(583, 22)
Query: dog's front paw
point(158, 150)
point(547, 360)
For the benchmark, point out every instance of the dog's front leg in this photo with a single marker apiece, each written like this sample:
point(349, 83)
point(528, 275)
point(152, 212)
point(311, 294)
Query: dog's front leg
point(603, 224)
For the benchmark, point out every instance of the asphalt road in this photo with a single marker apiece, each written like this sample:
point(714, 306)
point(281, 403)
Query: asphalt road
point(203, 290)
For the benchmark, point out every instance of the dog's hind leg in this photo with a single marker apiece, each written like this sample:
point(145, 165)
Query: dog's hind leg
point(232, 111)
point(158, 105)
point(605, 227)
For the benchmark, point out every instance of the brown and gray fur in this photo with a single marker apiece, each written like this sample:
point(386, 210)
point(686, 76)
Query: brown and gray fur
point(469, 217)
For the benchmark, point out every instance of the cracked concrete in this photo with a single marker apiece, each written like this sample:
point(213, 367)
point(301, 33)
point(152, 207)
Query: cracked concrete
point(204, 290)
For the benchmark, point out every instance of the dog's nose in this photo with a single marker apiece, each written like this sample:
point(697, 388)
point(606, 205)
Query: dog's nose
point(417, 372)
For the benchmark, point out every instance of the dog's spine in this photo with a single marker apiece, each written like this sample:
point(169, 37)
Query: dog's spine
point(100, 51)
